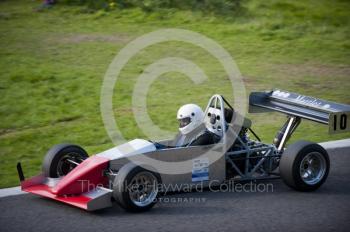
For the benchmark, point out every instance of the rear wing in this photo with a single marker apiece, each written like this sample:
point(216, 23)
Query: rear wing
point(334, 114)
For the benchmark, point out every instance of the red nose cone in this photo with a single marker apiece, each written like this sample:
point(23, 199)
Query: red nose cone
point(85, 177)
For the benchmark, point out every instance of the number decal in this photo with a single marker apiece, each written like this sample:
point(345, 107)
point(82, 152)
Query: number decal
point(338, 122)
point(343, 119)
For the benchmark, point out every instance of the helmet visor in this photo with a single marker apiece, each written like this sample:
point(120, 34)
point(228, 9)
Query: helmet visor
point(184, 122)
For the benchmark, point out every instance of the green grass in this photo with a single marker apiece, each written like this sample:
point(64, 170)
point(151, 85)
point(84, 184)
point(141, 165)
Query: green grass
point(52, 64)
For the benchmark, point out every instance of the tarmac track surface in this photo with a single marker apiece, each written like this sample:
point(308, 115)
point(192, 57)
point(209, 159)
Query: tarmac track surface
point(278, 209)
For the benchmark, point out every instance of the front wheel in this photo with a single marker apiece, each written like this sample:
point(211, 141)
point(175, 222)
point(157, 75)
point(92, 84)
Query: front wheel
point(63, 158)
point(304, 166)
point(137, 191)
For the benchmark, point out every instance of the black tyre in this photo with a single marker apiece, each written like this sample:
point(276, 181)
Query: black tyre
point(137, 190)
point(62, 158)
point(304, 166)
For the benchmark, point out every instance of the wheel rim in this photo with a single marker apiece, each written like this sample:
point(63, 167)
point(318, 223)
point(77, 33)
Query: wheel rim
point(68, 162)
point(143, 189)
point(313, 168)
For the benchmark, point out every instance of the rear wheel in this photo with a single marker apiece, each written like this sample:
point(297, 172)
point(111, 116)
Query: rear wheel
point(304, 166)
point(63, 158)
point(138, 191)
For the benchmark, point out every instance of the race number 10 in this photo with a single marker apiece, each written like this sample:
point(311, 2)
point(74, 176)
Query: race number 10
point(339, 122)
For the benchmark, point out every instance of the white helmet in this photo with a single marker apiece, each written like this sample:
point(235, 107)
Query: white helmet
point(190, 116)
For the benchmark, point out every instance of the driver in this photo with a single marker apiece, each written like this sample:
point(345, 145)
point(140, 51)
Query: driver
point(192, 130)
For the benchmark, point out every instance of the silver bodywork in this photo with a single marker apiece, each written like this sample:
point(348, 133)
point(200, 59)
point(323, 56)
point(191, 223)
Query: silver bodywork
point(136, 149)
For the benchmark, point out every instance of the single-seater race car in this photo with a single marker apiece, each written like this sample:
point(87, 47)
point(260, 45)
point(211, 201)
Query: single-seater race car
point(126, 174)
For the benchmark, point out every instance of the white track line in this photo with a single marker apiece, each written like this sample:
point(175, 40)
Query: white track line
point(336, 144)
point(327, 145)
point(11, 191)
